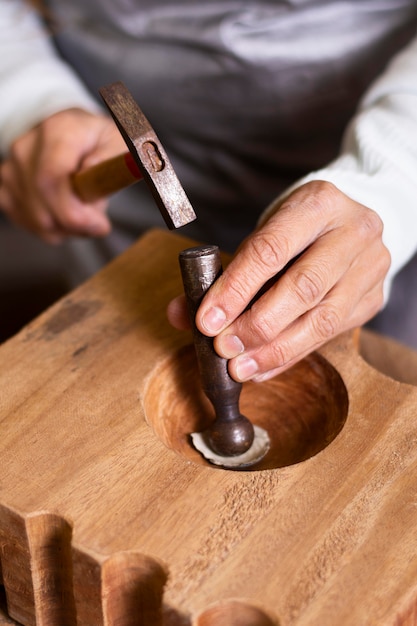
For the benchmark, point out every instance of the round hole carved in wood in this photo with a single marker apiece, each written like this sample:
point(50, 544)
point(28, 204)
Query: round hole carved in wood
point(235, 613)
point(302, 409)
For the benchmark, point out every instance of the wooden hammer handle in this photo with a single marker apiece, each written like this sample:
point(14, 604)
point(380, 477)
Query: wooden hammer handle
point(106, 178)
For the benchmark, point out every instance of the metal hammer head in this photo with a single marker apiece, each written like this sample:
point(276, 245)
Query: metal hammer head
point(149, 155)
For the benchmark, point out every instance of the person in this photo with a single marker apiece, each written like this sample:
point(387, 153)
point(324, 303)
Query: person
point(307, 107)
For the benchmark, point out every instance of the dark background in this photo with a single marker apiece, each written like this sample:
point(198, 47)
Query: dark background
point(33, 275)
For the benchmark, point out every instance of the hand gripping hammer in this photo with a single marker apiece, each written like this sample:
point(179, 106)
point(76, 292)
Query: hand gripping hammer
point(146, 159)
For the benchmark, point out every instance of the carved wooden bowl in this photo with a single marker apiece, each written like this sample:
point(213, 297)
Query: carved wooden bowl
point(302, 410)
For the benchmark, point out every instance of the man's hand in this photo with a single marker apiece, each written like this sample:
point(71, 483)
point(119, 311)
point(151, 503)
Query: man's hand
point(35, 180)
point(335, 285)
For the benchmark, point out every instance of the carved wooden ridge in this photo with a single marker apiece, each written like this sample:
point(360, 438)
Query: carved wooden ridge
point(109, 518)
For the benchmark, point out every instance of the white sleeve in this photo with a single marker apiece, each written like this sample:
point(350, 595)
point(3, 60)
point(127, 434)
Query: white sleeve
point(35, 82)
point(377, 165)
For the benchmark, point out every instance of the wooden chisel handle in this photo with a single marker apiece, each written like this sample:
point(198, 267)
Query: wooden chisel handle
point(106, 178)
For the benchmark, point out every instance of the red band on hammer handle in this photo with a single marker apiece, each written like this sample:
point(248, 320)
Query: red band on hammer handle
point(132, 166)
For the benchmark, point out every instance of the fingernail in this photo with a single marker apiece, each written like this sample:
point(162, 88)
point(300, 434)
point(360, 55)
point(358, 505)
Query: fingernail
point(213, 320)
point(246, 367)
point(264, 377)
point(231, 346)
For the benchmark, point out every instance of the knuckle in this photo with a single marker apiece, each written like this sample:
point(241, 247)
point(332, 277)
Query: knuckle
point(236, 289)
point(280, 354)
point(325, 321)
point(370, 226)
point(268, 250)
point(308, 285)
point(322, 195)
point(262, 327)
point(21, 152)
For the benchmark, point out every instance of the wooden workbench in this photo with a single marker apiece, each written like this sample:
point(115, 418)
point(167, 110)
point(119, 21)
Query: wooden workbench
point(108, 517)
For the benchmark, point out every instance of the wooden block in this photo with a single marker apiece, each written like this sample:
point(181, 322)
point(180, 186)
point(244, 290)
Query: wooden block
point(109, 517)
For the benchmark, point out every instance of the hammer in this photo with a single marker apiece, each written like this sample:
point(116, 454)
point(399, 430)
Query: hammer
point(231, 434)
point(146, 159)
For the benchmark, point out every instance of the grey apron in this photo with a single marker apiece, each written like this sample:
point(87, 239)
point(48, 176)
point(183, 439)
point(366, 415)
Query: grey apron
point(245, 96)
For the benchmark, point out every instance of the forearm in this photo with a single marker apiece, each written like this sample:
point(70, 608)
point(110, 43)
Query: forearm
point(35, 82)
point(378, 161)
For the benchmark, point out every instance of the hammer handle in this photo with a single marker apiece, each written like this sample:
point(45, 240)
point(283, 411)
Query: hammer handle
point(106, 178)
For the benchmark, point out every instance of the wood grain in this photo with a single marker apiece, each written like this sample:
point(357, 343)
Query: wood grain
point(389, 356)
point(104, 521)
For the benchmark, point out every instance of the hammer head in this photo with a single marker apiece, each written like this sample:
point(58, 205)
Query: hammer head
point(149, 155)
